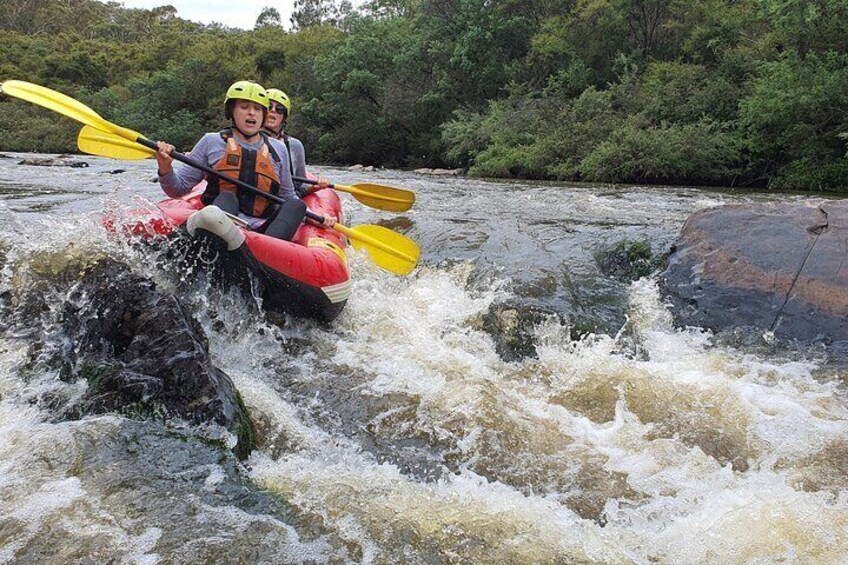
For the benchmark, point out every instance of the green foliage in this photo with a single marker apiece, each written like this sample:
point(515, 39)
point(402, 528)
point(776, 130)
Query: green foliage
point(671, 91)
point(44, 131)
point(311, 13)
point(269, 17)
point(699, 153)
point(795, 116)
point(475, 47)
point(515, 127)
point(543, 137)
point(164, 107)
point(808, 174)
point(464, 137)
point(578, 127)
point(684, 93)
point(372, 98)
point(813, 26)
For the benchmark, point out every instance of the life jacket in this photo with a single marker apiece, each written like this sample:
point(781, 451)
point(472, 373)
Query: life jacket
point(255, 167)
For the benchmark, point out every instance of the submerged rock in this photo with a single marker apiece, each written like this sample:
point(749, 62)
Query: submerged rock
point(52, 162)
point(437, 172)
point(628, 261)
point(148, 494)
point(512, 325)
point(766, 268)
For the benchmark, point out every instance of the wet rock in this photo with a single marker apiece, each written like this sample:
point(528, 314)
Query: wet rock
point(117, 172)
point(512, 326)
point(442, 172)
point(779, 269)
point(146, 480)
point(52, 162)
point(140, 352)
point(628, 261)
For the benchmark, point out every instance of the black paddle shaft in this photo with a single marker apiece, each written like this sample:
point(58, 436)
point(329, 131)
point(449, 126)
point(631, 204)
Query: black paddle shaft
point(209, 170)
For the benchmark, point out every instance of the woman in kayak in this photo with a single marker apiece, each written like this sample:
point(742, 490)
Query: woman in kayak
point(242, 152)
point(275, 122)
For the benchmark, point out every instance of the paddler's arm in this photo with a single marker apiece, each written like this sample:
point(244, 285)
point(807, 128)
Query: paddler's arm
point(179, 182)
point(298, 158)
point(287, 190)
point(298, 155)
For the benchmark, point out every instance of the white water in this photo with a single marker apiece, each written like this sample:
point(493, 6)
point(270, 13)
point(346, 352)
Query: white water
point(399, 435)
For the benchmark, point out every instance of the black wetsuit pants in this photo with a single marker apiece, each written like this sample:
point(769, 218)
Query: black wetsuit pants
point(281, 224)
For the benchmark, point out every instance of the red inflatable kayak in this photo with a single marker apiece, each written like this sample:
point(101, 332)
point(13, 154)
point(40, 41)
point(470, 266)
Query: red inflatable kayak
point(307, 276)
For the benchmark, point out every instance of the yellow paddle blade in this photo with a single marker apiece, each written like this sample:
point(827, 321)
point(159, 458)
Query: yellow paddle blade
point(389, 250)
point(96, 142)
point(52, 100)
point(64, 105)
point(380, 196)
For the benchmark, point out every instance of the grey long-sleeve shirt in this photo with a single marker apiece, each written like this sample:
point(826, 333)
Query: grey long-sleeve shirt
point(209, 150)
point(298, 159)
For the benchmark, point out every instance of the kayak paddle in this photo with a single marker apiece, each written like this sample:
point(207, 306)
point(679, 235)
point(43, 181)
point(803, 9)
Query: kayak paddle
point(374, 195)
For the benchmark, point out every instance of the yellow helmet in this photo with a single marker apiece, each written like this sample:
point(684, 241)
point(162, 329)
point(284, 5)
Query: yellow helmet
point(247, 90)
point(281, 98)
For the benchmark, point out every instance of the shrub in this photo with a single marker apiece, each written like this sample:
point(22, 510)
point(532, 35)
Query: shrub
point(702, 153)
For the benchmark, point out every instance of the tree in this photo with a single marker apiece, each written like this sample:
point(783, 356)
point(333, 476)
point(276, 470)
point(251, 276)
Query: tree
point(474, 47)
point(391, 8)
point(268, 17)
point(270, 62)
point(309, 13)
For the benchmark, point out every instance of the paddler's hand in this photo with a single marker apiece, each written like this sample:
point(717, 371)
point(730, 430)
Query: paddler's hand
point(164, 159)
point(329, 222)
point(320, 184)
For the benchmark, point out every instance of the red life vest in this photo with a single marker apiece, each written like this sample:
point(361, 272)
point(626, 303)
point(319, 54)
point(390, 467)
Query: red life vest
point(255, 167)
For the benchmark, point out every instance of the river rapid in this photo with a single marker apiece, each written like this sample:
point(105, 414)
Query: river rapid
point(400, 433)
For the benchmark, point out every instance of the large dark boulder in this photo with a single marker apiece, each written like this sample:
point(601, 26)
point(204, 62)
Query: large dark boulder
point(142, 354)
point(780, 268)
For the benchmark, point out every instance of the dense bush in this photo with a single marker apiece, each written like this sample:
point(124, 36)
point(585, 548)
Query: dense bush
point(699, 153)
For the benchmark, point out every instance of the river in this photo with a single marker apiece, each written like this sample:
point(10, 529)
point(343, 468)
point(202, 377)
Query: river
point(401, 434)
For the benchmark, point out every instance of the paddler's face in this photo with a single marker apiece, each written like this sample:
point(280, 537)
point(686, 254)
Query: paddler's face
point(247, 116)
point(276, 116)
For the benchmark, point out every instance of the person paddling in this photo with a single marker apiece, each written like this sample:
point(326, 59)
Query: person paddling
point(245, 152)
point(275, 123)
